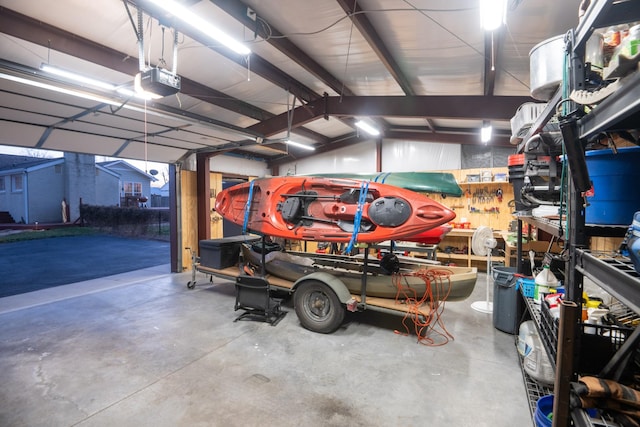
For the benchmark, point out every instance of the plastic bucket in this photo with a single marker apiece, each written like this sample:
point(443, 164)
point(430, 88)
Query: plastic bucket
point(508, 306)
point(544, 411)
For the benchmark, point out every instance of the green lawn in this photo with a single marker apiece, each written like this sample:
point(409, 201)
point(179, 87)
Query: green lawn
point(44, 234)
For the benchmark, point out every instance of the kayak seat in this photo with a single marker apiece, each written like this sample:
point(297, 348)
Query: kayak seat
point(253, 295)
point(292, 209)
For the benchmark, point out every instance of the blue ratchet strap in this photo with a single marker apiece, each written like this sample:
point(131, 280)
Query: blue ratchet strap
point(364, 189)
point(381, 177)
point(247, 207)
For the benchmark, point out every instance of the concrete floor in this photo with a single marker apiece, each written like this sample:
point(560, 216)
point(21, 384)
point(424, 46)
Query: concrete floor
point(140, 349)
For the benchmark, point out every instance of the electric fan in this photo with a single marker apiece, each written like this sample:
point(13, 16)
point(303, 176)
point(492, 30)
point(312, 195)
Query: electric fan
point(482, 243)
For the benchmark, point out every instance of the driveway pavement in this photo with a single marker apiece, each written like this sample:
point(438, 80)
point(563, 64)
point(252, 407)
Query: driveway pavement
point(37, 264)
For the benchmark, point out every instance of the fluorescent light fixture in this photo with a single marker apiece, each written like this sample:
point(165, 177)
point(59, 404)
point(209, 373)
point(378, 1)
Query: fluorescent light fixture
point(299, 145)
point(200, 24)
point(76, 77)
point(493, 14)
point(53, 88)
point(101, 99)
point(146, 96)
point(79, 94)
point(485, 132)
point(367, 128)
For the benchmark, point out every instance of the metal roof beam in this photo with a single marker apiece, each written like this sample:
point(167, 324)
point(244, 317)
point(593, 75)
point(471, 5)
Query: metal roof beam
point(472, 138)
point(452, 107)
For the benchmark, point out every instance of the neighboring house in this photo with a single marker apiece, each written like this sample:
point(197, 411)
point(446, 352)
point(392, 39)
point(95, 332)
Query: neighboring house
point(134, 183)
point(33, 189)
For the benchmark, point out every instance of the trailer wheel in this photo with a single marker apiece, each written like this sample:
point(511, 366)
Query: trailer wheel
point(318, 307)
point(191, 284)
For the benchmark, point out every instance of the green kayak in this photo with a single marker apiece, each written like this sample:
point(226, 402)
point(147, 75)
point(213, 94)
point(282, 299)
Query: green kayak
point(424, 182)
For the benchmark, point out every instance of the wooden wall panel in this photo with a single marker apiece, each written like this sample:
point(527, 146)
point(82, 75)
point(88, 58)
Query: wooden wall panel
point(481, 210)
point(188, 216)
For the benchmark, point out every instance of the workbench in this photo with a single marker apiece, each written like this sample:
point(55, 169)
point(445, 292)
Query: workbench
point(461, 238)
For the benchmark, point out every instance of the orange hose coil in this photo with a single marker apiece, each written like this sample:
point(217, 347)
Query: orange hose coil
point(437, 290)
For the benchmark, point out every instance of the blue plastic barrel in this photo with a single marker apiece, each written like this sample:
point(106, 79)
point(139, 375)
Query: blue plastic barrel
point(615, 178)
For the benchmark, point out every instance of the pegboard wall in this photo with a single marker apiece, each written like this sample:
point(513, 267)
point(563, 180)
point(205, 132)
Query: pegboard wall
point(480, 204)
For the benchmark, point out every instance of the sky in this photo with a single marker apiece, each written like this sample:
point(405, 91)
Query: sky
point(162, 168)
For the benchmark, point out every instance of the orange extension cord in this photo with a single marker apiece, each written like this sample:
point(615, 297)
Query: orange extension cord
point(437, 290)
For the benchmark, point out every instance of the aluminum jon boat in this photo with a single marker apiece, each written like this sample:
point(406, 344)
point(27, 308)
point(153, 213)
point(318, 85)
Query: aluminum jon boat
point(447, 283)
point(330, 209)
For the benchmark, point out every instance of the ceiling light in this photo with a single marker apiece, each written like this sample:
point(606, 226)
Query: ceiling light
point(200, 24)
point(367, 128)
point(140, 95)
point(485, 132)
point(76, 77)
point(58, 89)
point(139, 90)
point(299, 145)
point(83, 95)
point(493, 14)
point(104, 100)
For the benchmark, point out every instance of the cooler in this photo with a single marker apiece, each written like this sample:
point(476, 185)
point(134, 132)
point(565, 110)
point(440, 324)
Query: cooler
point(223, 253)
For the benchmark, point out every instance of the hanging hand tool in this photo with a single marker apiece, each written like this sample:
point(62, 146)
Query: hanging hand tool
point(499, 194)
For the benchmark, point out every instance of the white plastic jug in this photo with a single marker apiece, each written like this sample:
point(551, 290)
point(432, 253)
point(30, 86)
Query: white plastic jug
point(536, 361)
point(545, 280)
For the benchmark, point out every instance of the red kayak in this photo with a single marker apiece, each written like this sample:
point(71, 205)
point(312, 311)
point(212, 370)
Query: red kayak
point(330, 209)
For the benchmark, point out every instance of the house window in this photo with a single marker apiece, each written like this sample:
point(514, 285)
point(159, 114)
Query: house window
point(16, 183)
point(2, 185)
point(133, 189)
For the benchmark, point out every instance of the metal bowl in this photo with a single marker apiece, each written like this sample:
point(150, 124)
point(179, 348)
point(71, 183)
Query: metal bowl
point(546, 67)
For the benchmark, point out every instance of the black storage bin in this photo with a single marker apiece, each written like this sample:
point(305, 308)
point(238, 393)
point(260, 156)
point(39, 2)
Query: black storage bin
point(508, 305)
point(223, 253)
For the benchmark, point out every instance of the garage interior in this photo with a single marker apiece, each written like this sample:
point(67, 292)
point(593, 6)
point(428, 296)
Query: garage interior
point(292, 94)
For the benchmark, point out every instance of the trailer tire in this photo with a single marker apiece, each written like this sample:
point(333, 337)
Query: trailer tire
point(318, 307)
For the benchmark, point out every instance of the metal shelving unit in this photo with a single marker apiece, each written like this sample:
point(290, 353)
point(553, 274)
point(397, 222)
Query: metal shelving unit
point(551, 226)
point(616, 275)
point(534, 389)
point(619, 111)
